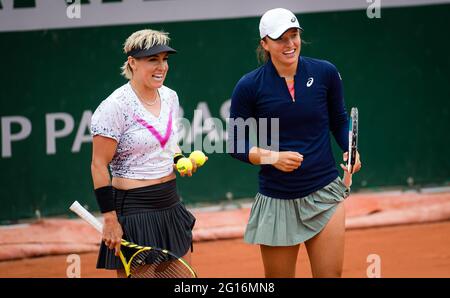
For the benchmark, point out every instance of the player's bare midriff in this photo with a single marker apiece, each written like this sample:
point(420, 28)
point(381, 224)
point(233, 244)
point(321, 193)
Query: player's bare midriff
point(125, 183)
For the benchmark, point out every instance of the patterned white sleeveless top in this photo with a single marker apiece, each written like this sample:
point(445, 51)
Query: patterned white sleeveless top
point(146, 143)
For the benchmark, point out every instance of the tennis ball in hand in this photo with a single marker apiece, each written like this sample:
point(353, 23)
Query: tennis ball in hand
point(184, 164)
point(199, 157)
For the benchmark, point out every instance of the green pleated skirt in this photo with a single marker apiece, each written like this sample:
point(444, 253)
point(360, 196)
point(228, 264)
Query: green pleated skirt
point(280, 222)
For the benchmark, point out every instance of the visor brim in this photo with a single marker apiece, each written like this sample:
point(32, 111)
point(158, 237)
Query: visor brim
point(139, 53)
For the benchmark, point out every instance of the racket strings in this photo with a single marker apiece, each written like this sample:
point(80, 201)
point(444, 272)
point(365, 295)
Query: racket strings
point(162, 270)
point(157, 264)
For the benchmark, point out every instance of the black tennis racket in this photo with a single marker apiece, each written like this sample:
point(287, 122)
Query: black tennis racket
point(352, 139)
point(145, 261)
point(352, 146)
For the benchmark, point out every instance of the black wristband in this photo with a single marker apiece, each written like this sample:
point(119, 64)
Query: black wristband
point(177, 157)
point(105, 198)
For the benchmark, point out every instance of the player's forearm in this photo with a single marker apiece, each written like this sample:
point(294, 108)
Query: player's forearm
point(259, 156)
point(341, 136)
point(347, 179)
point(110, 217)
point(103, 191)
point(100, 175)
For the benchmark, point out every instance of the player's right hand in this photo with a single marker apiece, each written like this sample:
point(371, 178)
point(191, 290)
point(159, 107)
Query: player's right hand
point(288, 161)
point(357, 165)
point(112, 231)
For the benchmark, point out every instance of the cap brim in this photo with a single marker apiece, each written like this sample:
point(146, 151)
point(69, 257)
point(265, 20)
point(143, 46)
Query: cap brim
point(139, 53)
point(279, 33)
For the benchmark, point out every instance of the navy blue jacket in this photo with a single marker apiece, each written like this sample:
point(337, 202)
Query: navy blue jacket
point(304, 124)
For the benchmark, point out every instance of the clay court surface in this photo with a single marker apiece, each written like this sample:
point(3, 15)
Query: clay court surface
point(413, 250)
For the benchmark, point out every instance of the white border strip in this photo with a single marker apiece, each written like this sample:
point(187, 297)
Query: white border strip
point(52, 14)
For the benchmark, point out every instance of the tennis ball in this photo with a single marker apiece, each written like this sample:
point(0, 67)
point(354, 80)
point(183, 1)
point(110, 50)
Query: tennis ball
point(199, 157)
point(184, 164)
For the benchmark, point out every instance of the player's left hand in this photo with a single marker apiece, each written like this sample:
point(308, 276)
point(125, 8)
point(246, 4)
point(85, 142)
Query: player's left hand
point(189, 173)
point(357, 165)
point(195, 166)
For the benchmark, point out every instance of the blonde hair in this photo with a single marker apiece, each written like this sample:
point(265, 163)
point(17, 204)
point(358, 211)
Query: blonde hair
point(142, 39)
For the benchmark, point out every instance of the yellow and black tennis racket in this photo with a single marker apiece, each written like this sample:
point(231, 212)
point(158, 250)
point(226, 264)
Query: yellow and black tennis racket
point(145, 261)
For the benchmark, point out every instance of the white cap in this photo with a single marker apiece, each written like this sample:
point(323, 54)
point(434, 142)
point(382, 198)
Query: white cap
point(276, 21)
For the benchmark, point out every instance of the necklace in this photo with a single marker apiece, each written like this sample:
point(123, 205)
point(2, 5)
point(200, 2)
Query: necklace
point(143, 101)
point(151, 103)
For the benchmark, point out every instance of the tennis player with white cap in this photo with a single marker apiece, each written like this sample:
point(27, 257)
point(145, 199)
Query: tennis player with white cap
point(300, 192)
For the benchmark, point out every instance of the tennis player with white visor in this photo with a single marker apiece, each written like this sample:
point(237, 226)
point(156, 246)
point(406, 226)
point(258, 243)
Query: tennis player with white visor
point(134, 133)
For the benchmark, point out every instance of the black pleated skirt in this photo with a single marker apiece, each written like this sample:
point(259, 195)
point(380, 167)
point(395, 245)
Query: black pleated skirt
point(150, 216)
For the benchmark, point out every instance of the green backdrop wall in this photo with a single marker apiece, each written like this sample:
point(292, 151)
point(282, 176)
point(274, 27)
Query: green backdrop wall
point(395, 69)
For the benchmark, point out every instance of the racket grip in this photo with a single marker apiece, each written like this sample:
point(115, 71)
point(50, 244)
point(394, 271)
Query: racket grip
point(349, 156)
point(87, 216)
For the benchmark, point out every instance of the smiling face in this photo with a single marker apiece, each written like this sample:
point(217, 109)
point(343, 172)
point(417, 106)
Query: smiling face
point(284, 50)
point(150, 71)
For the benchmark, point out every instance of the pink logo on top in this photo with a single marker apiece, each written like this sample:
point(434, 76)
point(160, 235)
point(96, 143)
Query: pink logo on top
point(162, 140)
